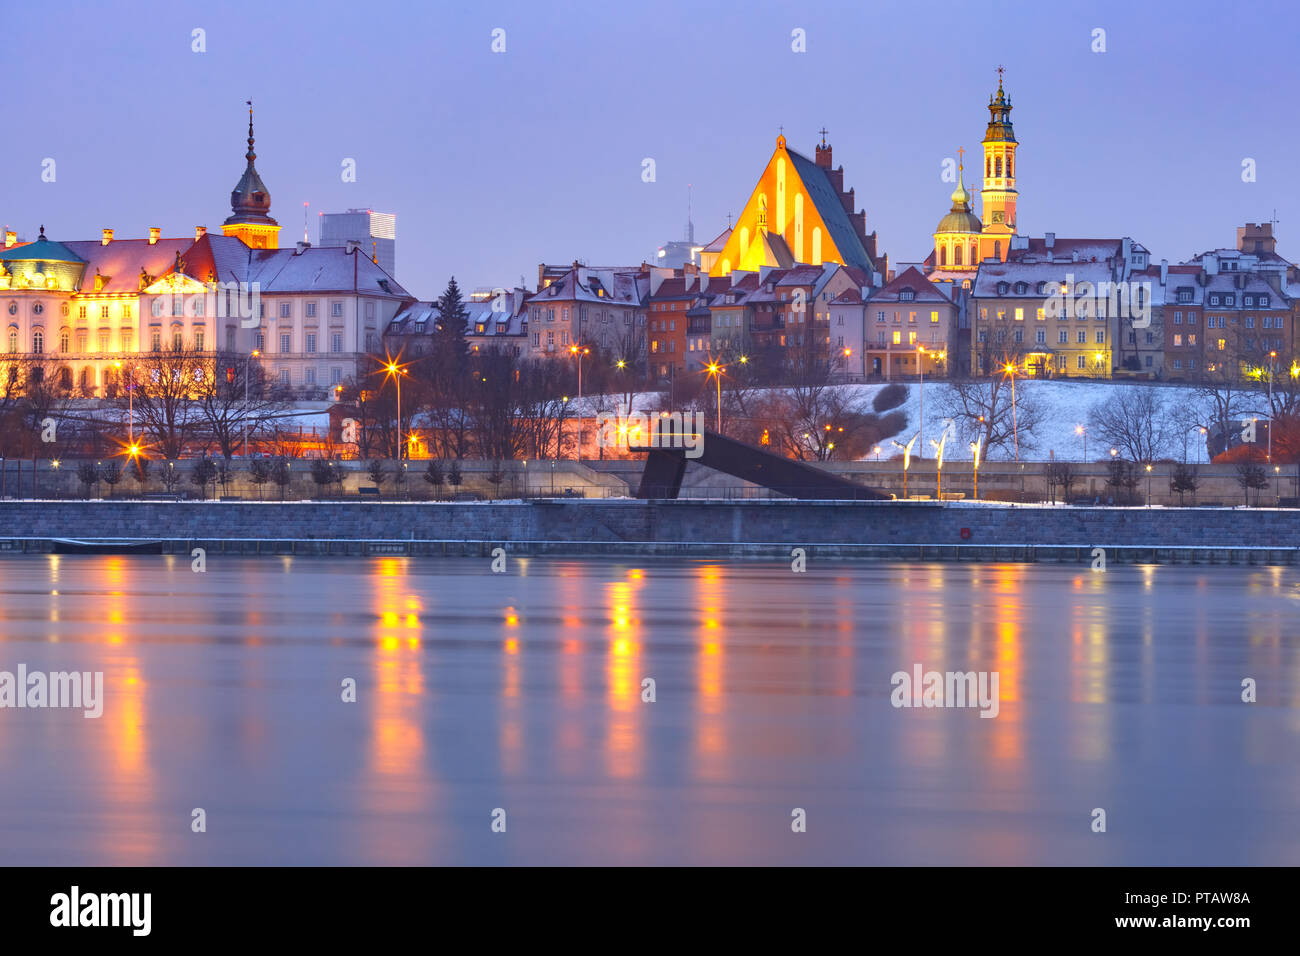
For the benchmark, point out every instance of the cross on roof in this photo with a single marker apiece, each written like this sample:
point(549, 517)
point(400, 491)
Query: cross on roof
point(823, 132)
point(961, 154)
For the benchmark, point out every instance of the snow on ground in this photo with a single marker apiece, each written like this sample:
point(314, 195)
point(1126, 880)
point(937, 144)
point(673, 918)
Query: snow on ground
point(1065, 405)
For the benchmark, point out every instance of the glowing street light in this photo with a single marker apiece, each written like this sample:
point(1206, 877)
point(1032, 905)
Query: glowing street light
point(715, 370)
point(975, 464)
point(907, 458)
point(579, 351)
point(1010, 369)
point(1083, 430)
point(394, 371)
point(1148, 485)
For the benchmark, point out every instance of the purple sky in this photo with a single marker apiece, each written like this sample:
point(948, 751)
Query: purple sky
point(495, 162)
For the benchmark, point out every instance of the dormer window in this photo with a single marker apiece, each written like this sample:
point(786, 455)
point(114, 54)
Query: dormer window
point(1263, 301)
point(1248, 300)
point(906, 295)
point(1021, 288)
point(1184, 295)
point(1229, 300)
point(1003, 288)
point(1214, 300)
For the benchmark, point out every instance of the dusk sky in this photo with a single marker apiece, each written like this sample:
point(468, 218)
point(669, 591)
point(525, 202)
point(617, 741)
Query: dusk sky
point(493, 163)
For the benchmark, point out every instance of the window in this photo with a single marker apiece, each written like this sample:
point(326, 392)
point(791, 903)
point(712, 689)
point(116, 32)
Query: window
point(1178, 318)
point(1151, 338)
point(284, 310)
point(1214, 300)
point(1101, 336)
point(1063, 336)
point(1083, 337)
point(336, 342)
point(286, 341)
point(1191, 364)
point(898, 337)
point(284, 376)
point(81, 311)
point(64, 341)
point(881, 337)
point(1040, 336)
point(178, 306)
point(1223, 343)
point(1191, 340)
point(370, 310)
point(230, 340)
point(1041, 315)
point(1178, 340)
point(13, 340)
point(1002, 315)
point(336, 376)
point(336, 310)
point(537, 339)
point(178, 340)
point(1020, 335)
point(984, 315)
point(103, 311)
point(311, 342)
point(1020, 314)
point(1250, 321)
point(1082, 362)
point(911, 337)
point(1191, 318)
point(934, 317)
point(907, 295)
point(311, 310)
point(1148, 361)
point(198, 340)
point(155, 341)
point(309, 375)
point(1178, 363)
point(259, 340)
point(911, 318)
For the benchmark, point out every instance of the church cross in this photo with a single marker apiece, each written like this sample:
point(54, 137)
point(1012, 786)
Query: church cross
point(823, 132)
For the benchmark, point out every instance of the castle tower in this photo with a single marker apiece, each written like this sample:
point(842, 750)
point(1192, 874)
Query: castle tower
point(251, 204)
point(998, 197)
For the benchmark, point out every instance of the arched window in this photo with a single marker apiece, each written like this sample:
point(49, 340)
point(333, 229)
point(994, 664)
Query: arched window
point(65, 378)
point(997, 251)
point(988, 169)
point(178, 338)
point(780, 194)
point(38, 341)
point(997, 167)
point(943, 256)
point(1009, 173)
point(13, 340)
point(87, 379)
point(65, 340)
point(817, 246)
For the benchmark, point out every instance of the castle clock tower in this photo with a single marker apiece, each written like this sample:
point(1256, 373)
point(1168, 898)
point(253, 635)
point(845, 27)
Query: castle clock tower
point(999, 193)
point(250, 204)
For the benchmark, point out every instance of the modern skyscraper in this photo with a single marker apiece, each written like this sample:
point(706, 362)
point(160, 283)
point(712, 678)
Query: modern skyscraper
point(375, 231)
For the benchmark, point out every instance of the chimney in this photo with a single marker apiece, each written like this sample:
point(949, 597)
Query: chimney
point(154, 233)
point(1164, 271)
point(303, 246)
point(108, 237)
point(11, 238)
point(200, 232)
point(1049, 240)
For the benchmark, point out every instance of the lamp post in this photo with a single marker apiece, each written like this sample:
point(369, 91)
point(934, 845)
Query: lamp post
point(920, 367)
point(907, 458)
point(1083, 431)
point(1148, 486)
point(396, 371)
point(975, 464)
point(715, 370)
point(130, 406)
point(1010, 369)
point(579, 351)
point(1272, 356)
point(248, 369)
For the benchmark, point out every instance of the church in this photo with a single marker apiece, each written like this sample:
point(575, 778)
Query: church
point(961, 240)
point(799, 212)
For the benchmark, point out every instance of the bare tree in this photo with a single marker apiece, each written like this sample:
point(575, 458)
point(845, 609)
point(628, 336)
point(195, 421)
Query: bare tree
point(1133, 419)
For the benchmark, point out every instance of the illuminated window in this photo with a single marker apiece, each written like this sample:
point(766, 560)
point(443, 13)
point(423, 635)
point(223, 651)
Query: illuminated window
point(1178, 340)
point(1020, 314)
point(1222, 345)
point(1041, 315)
point(911, 338)
point(898, 337)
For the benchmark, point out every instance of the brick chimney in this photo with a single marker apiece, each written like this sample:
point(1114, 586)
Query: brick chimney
point(154, 233)
point(108, 237)
point(200, 232)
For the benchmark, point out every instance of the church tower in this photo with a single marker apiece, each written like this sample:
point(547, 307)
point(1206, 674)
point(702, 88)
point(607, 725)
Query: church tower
point(251, 205)
point(999, 193)
point(957, 237)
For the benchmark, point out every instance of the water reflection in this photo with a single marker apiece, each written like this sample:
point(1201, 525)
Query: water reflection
point(525, 691)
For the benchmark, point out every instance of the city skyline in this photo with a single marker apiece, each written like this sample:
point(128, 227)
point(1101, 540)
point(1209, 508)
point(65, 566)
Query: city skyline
point(510, 170)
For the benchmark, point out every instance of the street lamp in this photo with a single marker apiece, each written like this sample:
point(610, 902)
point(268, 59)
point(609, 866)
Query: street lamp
point(130, 405)
point(396, 372)
point(1010, 369)
point(1272, 356)
point(975, 464)
point(715, 370)
point(248, 371)
point(1148, 486)
point(579, 351)
point(1083, 430)
point(907, 458)
point(920, 368)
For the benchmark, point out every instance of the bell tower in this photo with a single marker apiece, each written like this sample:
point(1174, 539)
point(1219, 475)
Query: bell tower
point(250, 204)
point(998, 197)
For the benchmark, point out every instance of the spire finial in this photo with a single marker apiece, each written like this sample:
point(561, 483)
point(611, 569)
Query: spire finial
point(1001, 70)
point(250, 155)
point(823, 132)
point(42, 231)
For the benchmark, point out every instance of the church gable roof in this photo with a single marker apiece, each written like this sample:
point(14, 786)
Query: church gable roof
point(831, 209)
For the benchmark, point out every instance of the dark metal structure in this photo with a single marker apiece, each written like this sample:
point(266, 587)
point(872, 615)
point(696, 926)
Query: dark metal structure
point(665, 468)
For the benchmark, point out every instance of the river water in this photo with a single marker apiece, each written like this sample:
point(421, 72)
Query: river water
point(518, 697)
